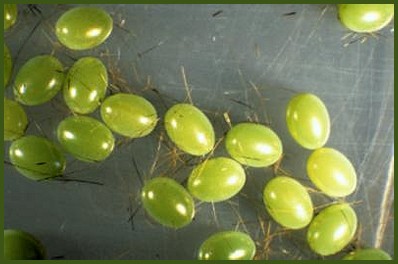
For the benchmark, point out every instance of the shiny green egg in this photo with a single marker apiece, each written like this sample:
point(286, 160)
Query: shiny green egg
point(332, 229)
point(7, 65)
point(288, 202)
point(227, 245)
point(331, 172)
point(308, 121)
point(15, 120)
point(10, 15)
point(37, 158)
point(253, 145)
point(39, 80)
point(85, 138)
point(190, 129)
point(368, 254)
point(85, 85)
point(20, 245)
point(216, 179)
point(168, 202)
point(83, 28)
point(129, 115)
point(365, 18)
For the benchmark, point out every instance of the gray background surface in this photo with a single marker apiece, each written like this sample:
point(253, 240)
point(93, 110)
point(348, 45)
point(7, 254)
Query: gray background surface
point(223, 55)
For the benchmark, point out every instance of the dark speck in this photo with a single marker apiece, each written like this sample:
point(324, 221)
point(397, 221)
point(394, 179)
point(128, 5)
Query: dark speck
point(290, 14)
point(217, 13)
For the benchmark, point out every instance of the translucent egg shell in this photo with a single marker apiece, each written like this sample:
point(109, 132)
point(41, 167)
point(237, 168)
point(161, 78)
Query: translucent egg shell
point(365, 18)
point(168, 202)
point(39, 80)
point(85, 138)
point(368, 254)
point(288, 202)
point(227, 245)
point(308, 121)
point(216, 179)
point(83, 28)
point(190, 129)
point(129, 115)
point(15, 120)
point(332, 229)
point(331, 172)
point(253, 145)
point(85, 85)
point(10, 15)
point(37, 158)
point(20, 245)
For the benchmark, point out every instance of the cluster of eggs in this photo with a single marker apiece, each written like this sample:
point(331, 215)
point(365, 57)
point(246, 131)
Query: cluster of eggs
point(215, 179)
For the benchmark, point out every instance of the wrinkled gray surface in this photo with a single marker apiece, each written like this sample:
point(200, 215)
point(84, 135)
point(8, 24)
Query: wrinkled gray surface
point(221, 55)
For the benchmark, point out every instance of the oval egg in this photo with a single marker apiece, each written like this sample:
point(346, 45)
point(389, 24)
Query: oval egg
point(331, 172)
point(332, 229)
point(37, 158)
point(20, 245)
point(253, 145)
point(308, 121)
point(190, 129)
point(85, 85)
point(216, 179)
point(129, 115)
point(10, 15)
point(85, 138)
point(82, 28)
point(227, 245)
point(168, 202)
point(288, 202)
point(368, 254)
point(365, 18)
point(39, 80)
point(15, 120)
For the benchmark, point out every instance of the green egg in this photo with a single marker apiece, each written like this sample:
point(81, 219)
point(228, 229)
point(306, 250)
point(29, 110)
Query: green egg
point(7, 65)
point(332, 229)
point(288, 202)
point(10, 15)
point(15, 120)
point(227, 245)
point(83, 28)
point(39, 80)
point(368, 254)
point(168, 202)
point(331, 172)
point(308, 121)
point(190, 129)
point(129, 115)
point(37, 158)
point(20, 245)
point(216, 179)
point(85, 138)
point(253, 145)
point(365, 18)
point(85, 85)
